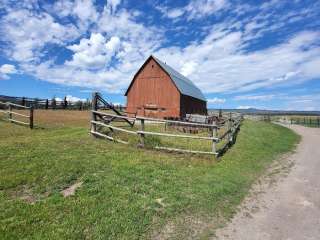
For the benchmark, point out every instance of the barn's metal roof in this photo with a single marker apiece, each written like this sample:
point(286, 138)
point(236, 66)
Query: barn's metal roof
point(185, 86)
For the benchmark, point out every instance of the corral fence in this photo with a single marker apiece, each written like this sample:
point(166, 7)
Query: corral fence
point(8, 109)
point(38, 103)
point(306, 121)
point(219, 137)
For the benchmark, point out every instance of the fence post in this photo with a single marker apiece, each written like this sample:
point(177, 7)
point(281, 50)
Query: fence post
point(141, 134)
point(229, 127)
point(94, 108)
point(65, 103)
point(31, 117)
point(9, 111)
point(214, 134)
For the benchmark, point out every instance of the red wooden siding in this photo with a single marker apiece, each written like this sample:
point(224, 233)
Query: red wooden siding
point(153, 93)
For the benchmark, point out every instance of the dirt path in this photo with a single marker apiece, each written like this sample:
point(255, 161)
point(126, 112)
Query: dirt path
point(288, 209)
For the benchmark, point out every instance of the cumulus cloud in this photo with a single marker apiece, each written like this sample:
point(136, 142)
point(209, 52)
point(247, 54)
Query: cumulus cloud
point(108, 45)
point(28, 33)
point(225, 67)
point(93, 53)
point(7, 69)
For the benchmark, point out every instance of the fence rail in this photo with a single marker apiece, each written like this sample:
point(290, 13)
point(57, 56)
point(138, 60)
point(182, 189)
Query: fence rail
point(137, 127)
point(7, 108)
point(232, 127)
point(54, 103)
point(306, 121)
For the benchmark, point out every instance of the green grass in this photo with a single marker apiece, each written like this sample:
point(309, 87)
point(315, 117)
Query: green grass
point(121, 184)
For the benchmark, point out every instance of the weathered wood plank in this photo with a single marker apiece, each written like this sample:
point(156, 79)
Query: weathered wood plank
point(177, 135)
point(19, 114)
point(113, 115)
point(107, 137)
point(113, 127)
point(177, 122)
point(20, 122)
point(15, 105)
point(184, 150)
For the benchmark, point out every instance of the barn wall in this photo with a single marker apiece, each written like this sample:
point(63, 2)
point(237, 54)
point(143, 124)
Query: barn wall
point(190, 105)
point(153, 94)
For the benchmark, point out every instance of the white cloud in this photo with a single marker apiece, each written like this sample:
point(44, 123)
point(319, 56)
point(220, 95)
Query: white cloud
point(83, 10)
point(113, 4)
point(225, 67)
point(74, 99)
point(7, 69)
point(171, 13)
point(113, 44)
point(202, 8)
point(217, 100)
point(109, 45)
point(195, 9)
point(174, 13)
point(256, 97)
point(27, 33)
point(245, 107)
point(93, 53)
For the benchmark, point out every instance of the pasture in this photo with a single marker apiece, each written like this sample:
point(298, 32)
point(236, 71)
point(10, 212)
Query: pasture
point(126, 192)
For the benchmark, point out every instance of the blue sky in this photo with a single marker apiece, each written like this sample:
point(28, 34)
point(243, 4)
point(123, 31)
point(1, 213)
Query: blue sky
point(241, 54)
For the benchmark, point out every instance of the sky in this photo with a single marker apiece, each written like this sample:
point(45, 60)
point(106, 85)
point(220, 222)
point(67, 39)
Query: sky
point(241, 54)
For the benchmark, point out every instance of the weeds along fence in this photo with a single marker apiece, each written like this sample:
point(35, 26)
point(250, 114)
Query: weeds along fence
point(17, 117)
point(164, 134)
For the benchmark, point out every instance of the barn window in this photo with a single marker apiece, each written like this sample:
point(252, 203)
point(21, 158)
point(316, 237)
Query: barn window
point(152, 65)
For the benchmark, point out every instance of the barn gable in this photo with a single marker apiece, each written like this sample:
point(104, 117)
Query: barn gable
point(183, 84)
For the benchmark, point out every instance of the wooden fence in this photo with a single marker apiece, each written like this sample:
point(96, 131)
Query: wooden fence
point(8, 107)
point(306, 121)
point(105, 119)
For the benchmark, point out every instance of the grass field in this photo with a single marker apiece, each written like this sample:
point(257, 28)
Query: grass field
point(127, 193)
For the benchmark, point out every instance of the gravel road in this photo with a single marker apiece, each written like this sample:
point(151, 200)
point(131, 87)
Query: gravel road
point(287, 208)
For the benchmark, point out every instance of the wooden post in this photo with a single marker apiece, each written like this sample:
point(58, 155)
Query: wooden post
point(31, 117)
point(214, 134)
point(94, 108)
point(9, 111)
point(65, 103)
point(47, 103)
point(229, 128)
point(80, 106)
point(141, 134)
point(23, 102)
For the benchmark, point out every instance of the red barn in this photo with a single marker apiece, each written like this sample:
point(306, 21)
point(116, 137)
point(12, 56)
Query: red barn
point(159, 91)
